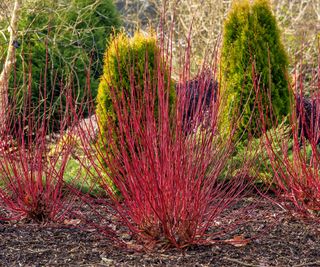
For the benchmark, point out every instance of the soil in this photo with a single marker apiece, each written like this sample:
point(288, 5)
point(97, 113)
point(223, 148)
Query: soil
point(272, 237)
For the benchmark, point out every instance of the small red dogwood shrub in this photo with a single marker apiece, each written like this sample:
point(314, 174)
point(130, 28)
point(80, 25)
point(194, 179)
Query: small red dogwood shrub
point(296, 160)
point(31, 178)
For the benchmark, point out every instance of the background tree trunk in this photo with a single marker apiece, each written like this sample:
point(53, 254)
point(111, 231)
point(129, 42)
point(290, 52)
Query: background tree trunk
point(9, 61)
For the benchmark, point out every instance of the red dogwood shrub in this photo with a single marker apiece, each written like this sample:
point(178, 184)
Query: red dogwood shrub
point(169, 180)
point(296, 163)
point(31, 178)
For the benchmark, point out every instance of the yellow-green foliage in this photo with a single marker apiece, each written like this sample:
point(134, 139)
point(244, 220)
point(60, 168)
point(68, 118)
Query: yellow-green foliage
point(128, 59)
point(252, 38)
point(255, 155)
point(124, 58)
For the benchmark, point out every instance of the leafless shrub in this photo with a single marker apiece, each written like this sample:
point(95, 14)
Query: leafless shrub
point(299, 21)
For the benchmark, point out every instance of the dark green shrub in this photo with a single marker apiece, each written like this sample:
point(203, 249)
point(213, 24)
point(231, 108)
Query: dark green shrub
point(70, 37)
point(252, 39)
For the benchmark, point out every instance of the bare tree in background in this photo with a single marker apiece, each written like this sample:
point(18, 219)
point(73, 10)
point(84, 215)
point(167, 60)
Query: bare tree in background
point(205, 17)
point(9, 61)
point(300, 24)
point(299, 21)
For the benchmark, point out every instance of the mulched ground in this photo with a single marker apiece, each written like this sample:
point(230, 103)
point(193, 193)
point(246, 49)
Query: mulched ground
point(275, 237)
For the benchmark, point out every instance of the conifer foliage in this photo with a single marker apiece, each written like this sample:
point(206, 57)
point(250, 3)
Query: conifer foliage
point(61, 42)
point(127, 61)
point(252, 53)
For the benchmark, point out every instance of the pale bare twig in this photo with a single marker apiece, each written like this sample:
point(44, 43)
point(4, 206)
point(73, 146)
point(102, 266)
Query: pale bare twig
point(9, 61)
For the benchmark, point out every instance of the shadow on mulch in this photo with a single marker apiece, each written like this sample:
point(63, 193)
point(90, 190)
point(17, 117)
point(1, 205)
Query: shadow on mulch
point(283, 241)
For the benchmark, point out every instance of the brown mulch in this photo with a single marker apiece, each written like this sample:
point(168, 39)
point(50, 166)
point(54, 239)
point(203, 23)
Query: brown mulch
point(275, 237)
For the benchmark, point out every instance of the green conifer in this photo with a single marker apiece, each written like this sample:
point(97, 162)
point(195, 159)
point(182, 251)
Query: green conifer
point(252, 40)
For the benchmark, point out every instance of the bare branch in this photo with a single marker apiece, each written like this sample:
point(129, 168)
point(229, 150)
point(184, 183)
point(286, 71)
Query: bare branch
point(4, 76)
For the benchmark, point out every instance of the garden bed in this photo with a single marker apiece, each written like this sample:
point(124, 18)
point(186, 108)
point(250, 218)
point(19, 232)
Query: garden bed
point(275, 238)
